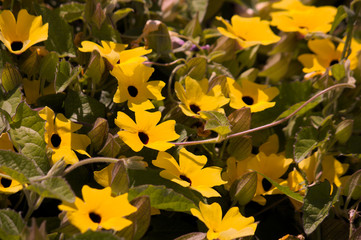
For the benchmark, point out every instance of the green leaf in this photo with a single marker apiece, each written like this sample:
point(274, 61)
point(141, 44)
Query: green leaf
point(193, 236)
point(243, 189)
point(140, 219)
point(193, 28)
point(240, 120)
point(121, 13)
point(305, 109)
point(198, 6)
point(95, 68)
point(344, 130)
point(106, 32)
point(276, 67)
point(90, 235)
point(240, 147)
point(217, 122)
point(10, 77)
point(162, 198)
point(66, 75)
point(119, 180)
point(48, 66)
point(11, 224)
point(296, 196)
point(83, 108)
point(55, 187)
point(317, 204)
point(353, 187)
point(248, 56)
point(71, 12)
point(27, 132)
point(196, 68)
point(111, 147)
point(11, 103)
point(340, 15)
point(60, 37)
point(338, 71)
point(99, 133)
point(18, 166)
point(159, 39)
point(306, 141)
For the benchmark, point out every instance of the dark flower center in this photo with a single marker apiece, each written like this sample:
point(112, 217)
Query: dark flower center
point(335, 61)
point(143, 137)
point(194, 108)
point(266, 184)
point(16, 46)
point(247, 100)
point(184, 178)
point(95, 217)
point(133, 91)
point(5, 182)
point(55, 140)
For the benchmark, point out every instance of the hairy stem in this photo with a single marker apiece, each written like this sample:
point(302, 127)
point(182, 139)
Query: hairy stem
point(89, 161)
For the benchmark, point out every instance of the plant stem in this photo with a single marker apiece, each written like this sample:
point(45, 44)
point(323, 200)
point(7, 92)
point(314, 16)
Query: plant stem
point(216, 140)
point(89, 161)
point(170, 80)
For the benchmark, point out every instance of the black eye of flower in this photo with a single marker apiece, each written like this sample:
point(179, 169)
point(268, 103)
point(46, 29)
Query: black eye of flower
point(266, 184)
point(184, 178)
point(194, 108)
point(335, 61)
point(15, 46)
point(5, 182)
point(55, 140)
point(247, 100)
point(143, 137)
point(95, 217)
point(133, 91)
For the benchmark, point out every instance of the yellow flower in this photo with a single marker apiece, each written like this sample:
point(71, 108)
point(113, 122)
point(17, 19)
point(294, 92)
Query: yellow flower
point(196, 97)
point(135, 88)
point(9, 186)
point(289, 5)
point(115, 53)
point(235, 170)
point(325, 55)
point(61, 138)
point(5, 142)
point(332, 169)
point(98, 210)
point(272, 166)
point(248, 31)
point(255, 96)
point(268, 162)
point(355, 51)
point(32, 90)
point(145, 131)
point(109, 50)
point(307, 19)
point(233, 225)
point(190, 172)
point(18, 35)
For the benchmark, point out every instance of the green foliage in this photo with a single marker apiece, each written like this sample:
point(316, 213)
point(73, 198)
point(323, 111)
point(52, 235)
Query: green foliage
point(11, 224)
point(317, 204)
point(18, 167)
point(162, 198)
point(27, 131)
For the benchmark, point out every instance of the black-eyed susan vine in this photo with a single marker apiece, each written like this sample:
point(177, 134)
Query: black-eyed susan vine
point(180, 119)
